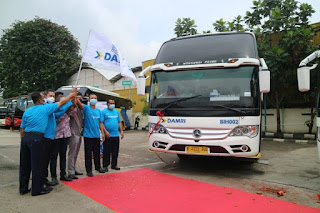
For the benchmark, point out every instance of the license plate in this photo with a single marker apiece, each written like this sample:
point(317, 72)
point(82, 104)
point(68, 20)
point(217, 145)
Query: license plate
point(197, 149)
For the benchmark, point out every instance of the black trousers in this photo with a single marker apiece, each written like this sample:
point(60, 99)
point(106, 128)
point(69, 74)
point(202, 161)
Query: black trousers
point(92, 145)
point(59, 147)
point(31, 160)
point(48, 144)
point(111, 148)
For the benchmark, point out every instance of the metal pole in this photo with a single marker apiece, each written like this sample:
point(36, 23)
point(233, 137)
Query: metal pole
point(130, 92)
point(79, 72)
point(82, 59)
point(265, 113)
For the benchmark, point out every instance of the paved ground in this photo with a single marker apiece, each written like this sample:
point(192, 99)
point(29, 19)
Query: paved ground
point(293, 167)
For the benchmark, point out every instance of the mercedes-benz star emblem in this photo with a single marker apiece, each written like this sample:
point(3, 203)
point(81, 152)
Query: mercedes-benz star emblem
point(197, 133)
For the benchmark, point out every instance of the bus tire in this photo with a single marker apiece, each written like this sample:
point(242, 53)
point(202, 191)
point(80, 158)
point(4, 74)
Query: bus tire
point(183, 157)
point(249, 161)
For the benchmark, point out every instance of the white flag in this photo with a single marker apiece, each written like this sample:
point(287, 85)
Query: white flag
point(101, 51)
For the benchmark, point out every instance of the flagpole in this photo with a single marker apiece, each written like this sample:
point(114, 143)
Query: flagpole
point(82, 59)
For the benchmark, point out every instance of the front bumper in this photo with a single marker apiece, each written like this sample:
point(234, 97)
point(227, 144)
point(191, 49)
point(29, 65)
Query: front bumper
point(230, 146)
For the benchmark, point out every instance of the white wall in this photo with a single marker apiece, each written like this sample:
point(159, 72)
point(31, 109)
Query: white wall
point(292, 120)
point(143, 119)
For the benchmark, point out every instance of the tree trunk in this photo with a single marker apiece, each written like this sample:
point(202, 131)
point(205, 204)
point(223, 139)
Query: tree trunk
point(278, 113)
point(311, 120)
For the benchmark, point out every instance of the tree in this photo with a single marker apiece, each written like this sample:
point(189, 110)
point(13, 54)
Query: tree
point(220, 26)
point(185, 27)
point(224, 26)
point(283, 34)
point(206, 31)
point(36, 55)
point(145, 108)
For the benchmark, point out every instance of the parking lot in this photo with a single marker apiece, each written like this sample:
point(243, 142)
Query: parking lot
point(295, 168)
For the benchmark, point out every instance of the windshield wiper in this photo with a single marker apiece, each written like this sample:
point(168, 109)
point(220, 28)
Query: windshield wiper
point(225, 107)
point(177, 101)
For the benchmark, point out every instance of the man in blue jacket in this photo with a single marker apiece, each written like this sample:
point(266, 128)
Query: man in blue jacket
point(49, 136)
point(112, 125)
point(32, 129)
point(91, 133)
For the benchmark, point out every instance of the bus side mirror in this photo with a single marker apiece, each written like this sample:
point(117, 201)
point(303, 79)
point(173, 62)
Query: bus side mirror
point(264, 81)
point(304, 78)
point(141, 86)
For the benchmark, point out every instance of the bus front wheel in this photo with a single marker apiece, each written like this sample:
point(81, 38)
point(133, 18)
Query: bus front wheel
point(183, 157)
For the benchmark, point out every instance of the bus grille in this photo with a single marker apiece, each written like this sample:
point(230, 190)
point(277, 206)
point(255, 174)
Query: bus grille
point(206, 134)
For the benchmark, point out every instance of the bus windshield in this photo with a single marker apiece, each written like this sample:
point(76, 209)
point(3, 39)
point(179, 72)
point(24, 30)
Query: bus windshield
point(221, 92)
point(217, 48)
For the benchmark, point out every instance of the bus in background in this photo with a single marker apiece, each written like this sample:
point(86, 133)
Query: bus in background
point(122, 104)
point(205, 97)
point(15, 109)
point(3, 110)
point(11, 105)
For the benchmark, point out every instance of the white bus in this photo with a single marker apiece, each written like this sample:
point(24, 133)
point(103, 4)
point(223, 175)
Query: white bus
point(303, 73)
point(205, 96)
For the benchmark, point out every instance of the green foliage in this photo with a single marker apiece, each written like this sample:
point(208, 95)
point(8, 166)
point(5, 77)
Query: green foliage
point(283, 34)
point(145, 109)
point(220, 25)
point(36, 55)
point(184, 27)
point(205, 32)
point(284, 37)
point(224, 26)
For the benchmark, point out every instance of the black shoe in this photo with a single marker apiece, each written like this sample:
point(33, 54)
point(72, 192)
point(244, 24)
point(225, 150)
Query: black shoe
point(78, 173)
point(105, 169)
point(90, 174)
point(53, 182)
point(100, 170)
point(25, 192)
point(47, 182)
point(73, 177)
point(42, 192)
point(65, 178)
point(115, 168)
point(46, 187)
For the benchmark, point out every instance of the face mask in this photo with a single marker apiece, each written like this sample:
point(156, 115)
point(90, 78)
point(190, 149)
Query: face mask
point(112, 106)
point(50, 100)
point(93, 101)
point(45, 100)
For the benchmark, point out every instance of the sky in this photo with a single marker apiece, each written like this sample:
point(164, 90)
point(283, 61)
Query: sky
point(136, 27)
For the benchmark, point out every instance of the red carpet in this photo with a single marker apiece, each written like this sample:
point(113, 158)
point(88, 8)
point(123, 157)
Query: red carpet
point(145, 190)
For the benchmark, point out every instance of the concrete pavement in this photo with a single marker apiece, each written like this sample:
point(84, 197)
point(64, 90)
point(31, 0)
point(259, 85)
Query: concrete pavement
point(293, 167)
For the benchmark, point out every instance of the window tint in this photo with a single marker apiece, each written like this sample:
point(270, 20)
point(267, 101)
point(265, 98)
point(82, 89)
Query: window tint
point(234, 87)
point(217, 47)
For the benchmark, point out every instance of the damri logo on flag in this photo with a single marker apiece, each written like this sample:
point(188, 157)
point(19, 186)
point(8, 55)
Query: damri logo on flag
point(101, 51)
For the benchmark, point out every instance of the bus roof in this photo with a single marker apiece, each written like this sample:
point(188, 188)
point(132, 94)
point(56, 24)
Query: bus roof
point(217, 47)
point(102, 95)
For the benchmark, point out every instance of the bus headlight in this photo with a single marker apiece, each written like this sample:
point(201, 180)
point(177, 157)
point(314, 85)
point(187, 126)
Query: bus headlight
point(159, 129)
point(249, 131)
